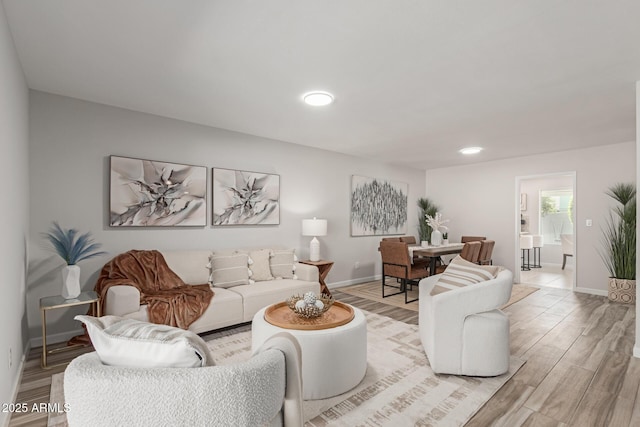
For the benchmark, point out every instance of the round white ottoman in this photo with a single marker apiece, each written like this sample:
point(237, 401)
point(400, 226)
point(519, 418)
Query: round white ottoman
point(334, 360)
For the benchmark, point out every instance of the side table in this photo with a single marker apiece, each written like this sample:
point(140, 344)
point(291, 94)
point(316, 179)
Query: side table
point(323, 270)
point(52, 303)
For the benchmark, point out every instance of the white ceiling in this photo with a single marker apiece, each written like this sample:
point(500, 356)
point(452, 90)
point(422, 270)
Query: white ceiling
point(414, 80)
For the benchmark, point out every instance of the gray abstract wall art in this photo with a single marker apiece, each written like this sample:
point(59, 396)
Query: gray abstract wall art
point(378, 206)
point(245, 198)
point(146, 193)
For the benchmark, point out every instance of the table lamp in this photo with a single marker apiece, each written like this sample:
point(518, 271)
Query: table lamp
point(314, 227)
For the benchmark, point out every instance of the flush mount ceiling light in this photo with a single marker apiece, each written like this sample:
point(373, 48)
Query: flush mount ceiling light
point(318, 98)
point(471, 150)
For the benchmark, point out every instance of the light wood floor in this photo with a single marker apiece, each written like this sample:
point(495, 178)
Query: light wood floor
point(579, 369)
point(549, 276)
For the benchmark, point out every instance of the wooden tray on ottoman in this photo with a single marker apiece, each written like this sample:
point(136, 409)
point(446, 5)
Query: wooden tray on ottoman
point(282, 316)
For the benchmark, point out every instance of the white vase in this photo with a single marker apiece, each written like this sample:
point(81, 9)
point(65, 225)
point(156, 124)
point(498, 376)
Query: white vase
point(424, 243)
point(70, 282)
point(445, 242)
point(436, 238)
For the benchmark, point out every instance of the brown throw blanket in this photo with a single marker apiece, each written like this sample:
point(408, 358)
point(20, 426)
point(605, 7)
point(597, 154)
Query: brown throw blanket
point(170, 301)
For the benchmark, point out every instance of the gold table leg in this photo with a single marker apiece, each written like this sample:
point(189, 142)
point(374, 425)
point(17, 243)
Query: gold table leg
point(43, 361)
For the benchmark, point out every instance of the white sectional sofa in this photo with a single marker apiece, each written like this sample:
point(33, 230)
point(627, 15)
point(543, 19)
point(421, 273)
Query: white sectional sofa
point(229, 306)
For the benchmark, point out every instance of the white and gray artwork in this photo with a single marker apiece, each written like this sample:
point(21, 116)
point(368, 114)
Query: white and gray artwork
point(146, 193)
point(378, 206)
point(245, 198)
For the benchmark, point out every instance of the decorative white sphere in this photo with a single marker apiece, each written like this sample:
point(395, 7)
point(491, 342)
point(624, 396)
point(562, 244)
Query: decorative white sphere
point(300, 304)
point(310, 298)
point(319, 304)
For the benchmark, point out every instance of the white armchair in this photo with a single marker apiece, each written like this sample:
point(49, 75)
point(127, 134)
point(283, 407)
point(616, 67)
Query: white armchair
point(463, 331)
point(265, 390)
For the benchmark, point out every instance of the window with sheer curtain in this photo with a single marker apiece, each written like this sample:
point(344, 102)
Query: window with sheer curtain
point(556, 214)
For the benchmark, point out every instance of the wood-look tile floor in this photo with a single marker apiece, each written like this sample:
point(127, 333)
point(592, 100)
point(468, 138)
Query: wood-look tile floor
point(549, 276)
point(579, 371)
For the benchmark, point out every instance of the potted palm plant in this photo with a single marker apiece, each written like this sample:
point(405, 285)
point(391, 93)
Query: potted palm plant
point(619, 244)
point(425, 207)
point(72, 247)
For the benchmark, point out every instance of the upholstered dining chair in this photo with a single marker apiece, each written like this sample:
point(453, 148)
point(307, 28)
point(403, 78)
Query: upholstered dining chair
point(567, 247)
point(471, 251)
point(410, 240)
point(486, 251)
point(396, 262)
point(465, 239)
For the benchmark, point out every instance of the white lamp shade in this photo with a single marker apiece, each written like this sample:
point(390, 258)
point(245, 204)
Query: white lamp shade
point(314, 227)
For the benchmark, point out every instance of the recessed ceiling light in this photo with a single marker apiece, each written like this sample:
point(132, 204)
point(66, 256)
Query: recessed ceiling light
point(318, 98)
point(471, 150)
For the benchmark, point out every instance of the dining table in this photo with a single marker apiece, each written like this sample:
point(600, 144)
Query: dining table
point(435, 252)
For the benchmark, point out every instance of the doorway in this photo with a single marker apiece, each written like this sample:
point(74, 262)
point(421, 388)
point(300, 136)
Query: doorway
point(546, 208)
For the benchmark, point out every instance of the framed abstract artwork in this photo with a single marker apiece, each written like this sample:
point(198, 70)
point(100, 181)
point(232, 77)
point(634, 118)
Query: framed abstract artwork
point(245, 198)
point(149, 193)
point(378, 206)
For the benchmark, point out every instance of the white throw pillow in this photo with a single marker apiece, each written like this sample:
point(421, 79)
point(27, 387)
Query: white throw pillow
point(259, 265)
point(461, 272)
point(282, 262)
point(135, 344)
point(229, 269)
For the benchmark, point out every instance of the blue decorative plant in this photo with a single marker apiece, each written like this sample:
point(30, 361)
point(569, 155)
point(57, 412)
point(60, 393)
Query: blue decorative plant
point(72, 246)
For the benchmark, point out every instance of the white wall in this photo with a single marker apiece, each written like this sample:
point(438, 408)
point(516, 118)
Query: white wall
point(480, 199)
point(14, 226)
point(71, 143)
point(636, 348)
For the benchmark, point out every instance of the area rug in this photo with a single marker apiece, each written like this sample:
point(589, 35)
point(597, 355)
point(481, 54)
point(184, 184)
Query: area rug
point(399, 387)
point(373, 292)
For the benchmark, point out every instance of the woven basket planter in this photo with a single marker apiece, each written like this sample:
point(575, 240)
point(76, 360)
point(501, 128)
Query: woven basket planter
point(622, 290)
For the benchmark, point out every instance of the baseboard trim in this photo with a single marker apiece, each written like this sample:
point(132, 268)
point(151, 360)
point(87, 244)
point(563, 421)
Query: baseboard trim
point(591, 291)
point(55, 338)
point(16, 385)
point(342, 284)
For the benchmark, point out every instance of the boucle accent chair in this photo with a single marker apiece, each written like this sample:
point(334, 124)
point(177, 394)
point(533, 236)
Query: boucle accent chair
point(462, 330)
point(265, 390)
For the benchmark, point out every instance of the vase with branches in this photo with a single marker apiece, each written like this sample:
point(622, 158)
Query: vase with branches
point(72, 247)
point(437, 224)
point(619, 243)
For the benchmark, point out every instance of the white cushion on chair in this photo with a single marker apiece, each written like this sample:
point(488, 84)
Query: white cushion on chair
point(132, 343)
point(461, 272)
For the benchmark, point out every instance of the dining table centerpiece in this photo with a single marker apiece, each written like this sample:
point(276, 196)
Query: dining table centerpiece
point(436, 222)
